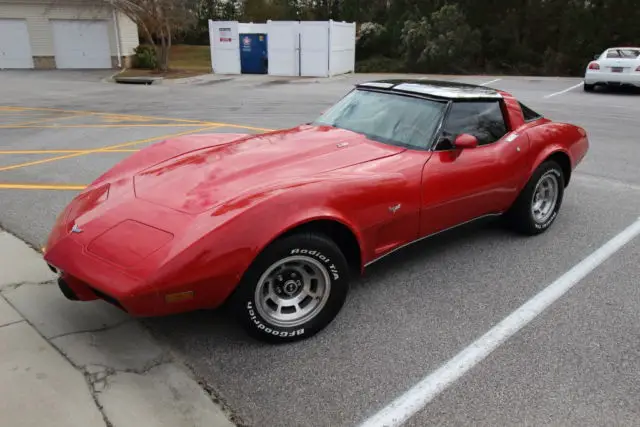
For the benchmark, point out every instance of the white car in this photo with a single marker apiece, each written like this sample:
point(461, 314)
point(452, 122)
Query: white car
point(616, 66)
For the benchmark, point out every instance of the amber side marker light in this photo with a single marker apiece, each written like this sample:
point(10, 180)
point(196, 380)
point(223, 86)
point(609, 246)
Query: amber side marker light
point(178, 297)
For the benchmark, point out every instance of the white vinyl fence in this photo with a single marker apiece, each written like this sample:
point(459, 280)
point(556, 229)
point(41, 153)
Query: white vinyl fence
point(295, 48)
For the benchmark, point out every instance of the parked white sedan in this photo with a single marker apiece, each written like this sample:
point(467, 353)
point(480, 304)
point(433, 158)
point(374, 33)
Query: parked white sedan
point(616, 66)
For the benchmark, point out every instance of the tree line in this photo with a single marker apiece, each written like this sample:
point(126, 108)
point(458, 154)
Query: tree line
point(532, 37)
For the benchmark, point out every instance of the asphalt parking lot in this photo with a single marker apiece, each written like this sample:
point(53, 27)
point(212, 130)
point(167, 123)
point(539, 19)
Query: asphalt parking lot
point(577, 363)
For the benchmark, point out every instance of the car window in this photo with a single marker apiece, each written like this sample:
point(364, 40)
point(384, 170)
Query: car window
point(623, 53)
point(529, 114)
point(389, 118)
point(482, 119)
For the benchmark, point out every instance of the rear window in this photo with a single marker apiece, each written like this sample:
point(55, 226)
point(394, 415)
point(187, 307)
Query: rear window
point(529, 114)
point(623, 53)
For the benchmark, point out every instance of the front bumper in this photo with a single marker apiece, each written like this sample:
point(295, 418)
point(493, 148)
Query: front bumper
point(119, 254)
point(93, 280)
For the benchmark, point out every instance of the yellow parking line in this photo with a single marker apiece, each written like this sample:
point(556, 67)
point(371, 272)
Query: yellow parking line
point(137, 117)
point(32, 123)
point(9, 152)
point(227, 125)
point(102, 114)
point(109, 147)
point(10, 186)
point(120, 118)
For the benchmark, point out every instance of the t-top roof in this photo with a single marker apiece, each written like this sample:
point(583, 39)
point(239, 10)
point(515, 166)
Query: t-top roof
point(441, 89)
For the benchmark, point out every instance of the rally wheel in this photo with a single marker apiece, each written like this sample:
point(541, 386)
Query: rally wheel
point(294, 289)
point(537, 206)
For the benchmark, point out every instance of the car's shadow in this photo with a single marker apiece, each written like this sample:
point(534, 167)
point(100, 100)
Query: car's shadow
point(219, 326)
point(617, 90)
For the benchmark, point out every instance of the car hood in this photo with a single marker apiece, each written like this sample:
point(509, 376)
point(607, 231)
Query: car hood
point(203, 179)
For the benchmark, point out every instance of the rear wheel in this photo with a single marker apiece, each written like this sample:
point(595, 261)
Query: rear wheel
point(293, 290)
point(588, 87)
point(537, 206)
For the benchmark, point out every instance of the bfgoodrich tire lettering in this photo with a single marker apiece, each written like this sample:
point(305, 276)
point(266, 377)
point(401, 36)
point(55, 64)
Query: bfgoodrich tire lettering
point(293, 290)
point(537, 206)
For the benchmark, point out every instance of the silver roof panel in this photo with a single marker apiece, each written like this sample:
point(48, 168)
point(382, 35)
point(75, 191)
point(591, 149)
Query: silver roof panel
point(440, 89)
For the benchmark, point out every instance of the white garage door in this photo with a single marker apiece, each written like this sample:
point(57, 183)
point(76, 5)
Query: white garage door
point(81, 44)
point(15, 48)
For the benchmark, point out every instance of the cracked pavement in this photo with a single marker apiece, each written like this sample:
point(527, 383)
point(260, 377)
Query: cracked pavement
point(68, 364)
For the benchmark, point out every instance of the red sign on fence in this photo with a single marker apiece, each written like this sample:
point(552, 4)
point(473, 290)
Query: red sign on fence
point(225, 35)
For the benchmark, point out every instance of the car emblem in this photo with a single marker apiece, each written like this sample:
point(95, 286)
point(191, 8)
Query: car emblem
point(394, 209)
point(76, 229)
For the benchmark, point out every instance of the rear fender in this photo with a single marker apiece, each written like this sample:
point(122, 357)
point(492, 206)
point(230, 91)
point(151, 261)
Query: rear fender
point(545, 154)
point(565, 139)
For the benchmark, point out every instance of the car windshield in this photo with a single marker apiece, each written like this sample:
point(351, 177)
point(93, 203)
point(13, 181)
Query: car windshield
point(394, 119)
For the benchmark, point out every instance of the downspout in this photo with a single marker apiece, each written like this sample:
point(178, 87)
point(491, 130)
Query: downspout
point(118, 41)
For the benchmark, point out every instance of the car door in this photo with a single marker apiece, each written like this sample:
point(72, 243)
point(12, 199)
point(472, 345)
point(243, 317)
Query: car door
point(459, 185)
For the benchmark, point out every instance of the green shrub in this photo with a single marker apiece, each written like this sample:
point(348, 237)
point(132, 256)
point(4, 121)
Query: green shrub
point(145, 57)
point(374, 40)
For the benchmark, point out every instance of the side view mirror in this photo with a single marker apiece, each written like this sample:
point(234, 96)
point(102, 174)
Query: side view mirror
point(465, 141)
point(596, 56)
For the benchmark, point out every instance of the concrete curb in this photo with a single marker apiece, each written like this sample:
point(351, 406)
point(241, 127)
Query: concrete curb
point(85, 364)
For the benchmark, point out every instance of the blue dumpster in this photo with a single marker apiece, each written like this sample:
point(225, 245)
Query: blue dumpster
point(253, 53)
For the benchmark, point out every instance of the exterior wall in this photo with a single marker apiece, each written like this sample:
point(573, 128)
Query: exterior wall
point(38, 18)
point(129, 39)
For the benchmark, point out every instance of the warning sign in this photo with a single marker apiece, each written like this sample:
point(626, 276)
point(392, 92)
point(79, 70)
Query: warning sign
point(225, 35)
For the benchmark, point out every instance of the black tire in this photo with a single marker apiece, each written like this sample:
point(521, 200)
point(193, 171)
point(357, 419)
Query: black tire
point(521, 217)
point(319, 253)
point(588, 88)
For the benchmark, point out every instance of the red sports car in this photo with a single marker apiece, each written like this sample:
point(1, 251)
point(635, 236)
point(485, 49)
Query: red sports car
point(277, 224)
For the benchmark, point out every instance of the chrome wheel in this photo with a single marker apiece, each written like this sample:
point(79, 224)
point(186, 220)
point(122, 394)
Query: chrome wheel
point(545, 197)
point(292, 291)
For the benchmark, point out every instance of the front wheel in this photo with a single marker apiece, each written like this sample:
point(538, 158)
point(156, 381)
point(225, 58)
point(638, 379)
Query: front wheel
point(537, 206)
point(293, 290)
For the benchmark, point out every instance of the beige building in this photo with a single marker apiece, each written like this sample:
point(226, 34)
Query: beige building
point(64, 34)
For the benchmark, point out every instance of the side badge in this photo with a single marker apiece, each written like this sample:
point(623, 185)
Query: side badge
point(394, 209)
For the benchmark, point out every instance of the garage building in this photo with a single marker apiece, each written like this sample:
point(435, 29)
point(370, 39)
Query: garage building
point(64, 34)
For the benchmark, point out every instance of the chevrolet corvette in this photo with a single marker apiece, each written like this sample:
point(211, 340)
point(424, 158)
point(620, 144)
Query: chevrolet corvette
point(276, 225)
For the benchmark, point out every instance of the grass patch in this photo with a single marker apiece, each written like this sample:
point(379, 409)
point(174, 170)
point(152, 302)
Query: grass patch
point(186, 57)
point(184, 61)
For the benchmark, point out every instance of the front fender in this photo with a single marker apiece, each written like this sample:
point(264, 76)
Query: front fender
point(221, 244)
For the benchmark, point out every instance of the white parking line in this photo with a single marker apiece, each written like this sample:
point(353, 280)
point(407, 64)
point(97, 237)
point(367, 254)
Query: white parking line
point(489, 82)
point(405, 406)
point(563, 91)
